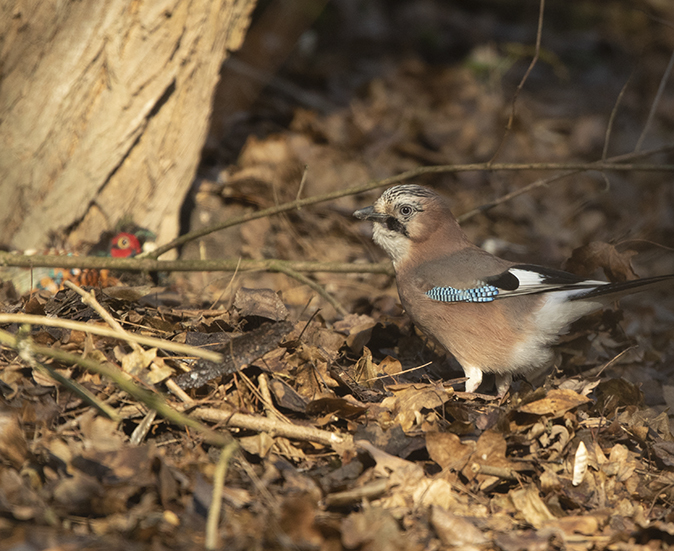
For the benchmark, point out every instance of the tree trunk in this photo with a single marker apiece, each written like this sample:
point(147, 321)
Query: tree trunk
point(104, 109)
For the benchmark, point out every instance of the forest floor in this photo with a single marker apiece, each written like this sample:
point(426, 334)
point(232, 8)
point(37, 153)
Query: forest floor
point(350, 431)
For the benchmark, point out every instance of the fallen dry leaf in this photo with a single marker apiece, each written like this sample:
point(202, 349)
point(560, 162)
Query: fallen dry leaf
point(587, 259)
point(530, 506)
point(456, 531)
point(556, 402)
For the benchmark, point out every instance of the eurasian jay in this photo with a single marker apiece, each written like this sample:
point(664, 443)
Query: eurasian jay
point(492, 315)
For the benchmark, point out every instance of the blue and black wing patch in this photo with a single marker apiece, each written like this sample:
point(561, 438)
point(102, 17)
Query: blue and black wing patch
point(485, 293)
point(487, 290)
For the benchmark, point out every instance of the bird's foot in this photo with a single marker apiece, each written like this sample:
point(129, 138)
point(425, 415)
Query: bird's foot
point(474, 375)
point(503, 381)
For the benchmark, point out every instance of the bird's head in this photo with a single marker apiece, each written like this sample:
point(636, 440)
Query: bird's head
point(125, 245)
point(407, 216)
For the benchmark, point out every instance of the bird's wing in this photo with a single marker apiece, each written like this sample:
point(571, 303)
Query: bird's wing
point(529, 279)
point(517, 280)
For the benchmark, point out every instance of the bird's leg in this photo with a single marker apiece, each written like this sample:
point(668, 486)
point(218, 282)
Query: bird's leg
point(474, 377)
point(503, 381)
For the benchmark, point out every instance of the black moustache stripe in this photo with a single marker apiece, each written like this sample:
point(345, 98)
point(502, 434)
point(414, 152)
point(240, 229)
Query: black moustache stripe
point(395, 225)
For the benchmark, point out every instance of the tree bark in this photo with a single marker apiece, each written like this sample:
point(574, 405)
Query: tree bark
point(104, 109)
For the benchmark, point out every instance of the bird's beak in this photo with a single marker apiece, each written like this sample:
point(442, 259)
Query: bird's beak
point(368, 213)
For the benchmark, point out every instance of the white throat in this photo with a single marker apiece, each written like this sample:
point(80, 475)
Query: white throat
point(395, 245)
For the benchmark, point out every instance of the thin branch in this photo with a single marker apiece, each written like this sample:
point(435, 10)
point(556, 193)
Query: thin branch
point(537, 50)
point(271, 79)
point(293, 205)
point(612, 361)
point(228, 287)
point(106, 332)
point(221, 265)
point(656, 102)
point(534, 185)
point(273, 426)
point(89, 299)
point(178, 392)
point(508, 196)
point(264, 397)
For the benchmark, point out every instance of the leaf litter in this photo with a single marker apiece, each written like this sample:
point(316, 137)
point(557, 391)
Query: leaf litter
point(354, 432)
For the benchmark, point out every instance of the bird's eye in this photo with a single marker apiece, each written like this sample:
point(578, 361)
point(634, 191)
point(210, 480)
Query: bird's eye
point(406, 210)
point(123, 242)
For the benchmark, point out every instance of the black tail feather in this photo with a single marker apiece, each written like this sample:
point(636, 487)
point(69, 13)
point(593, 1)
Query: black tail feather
point(623, 287)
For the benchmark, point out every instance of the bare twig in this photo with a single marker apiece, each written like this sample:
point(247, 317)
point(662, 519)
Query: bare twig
point(262, 393)
point(179, 392)
point(596, 372)
point(90, 300)
point(272, 426)
point(305, 97)
point(537, 50)
point(228, 287)
point(394, 375)
point(105, 332)
point(656, 102)
point(222, 265)
point(543, 182)
point(386, 182)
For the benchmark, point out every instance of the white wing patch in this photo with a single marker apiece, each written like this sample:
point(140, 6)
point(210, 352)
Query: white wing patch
point(527, 277)
point(532, 282)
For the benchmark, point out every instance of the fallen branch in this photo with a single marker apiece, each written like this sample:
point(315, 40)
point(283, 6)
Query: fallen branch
point(272, 426)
